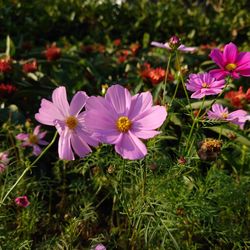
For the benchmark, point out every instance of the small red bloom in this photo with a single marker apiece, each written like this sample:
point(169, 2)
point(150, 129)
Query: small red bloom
point(123, 55)
point(5, 65)
point(117, 42)
point(100, 48)
point(238, 98)
point(52, 52)
point(156, 75)
point(22, 201)
point(6, 90)
point(30, 66)
point(134, 47)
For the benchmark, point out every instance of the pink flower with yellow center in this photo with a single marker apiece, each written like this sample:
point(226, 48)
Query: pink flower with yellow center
point(230, 62)
point(69, 122)
point(121, 119)
point(204, 84)
point(174, 43)
point(33, 140)
point(238, 117)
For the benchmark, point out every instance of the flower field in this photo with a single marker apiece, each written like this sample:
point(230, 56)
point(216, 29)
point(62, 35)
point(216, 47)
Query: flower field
point(124, 125)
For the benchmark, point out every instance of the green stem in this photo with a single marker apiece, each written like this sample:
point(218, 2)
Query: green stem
point(220, 94)
point(193, 125)
point(28, 168)
point(183, 84)
point(165, 80)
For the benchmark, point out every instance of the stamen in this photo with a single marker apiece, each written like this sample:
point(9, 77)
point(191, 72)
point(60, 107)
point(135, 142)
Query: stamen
point(230, 66)
point(33, 139)
point(123, 124)
point(205, 85)
point(224, 115)
point(71, 122)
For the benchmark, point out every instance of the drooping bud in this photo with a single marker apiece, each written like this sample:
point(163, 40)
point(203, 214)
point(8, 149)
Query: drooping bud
point(174, 42)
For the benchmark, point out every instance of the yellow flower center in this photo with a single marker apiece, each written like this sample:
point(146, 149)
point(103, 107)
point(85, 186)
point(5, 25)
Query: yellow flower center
point(33, 139)
point(205, 85)
point(71, 122)
point(123, 124)
point(224, 115)
point(231, 66)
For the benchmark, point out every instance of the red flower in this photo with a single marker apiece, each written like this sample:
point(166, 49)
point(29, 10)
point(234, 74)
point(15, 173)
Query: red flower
point(156, 75)
point(52, 53)
point(238, 98)
point(117, 42)
point(123, 55)
point(22, 201)
point(6, 90)
point(5, 65)
point(134, 47)
point(30, 66)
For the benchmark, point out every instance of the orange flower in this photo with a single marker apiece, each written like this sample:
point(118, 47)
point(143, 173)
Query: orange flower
point(238, 98)
point(154, 76)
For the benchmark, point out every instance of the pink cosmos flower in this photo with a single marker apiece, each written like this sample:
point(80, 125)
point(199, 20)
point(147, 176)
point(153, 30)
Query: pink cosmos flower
point(100, 247)
point(174, 43)
point(4, 161)
point(22, 201)
point(238, 117)
point(204, 84)
point(121, 119)
point(33, 140)
point(231, 62)
point(69, 122)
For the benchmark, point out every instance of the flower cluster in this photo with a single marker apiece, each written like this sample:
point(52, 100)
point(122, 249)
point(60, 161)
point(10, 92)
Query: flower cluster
point(238, 98)
point(118, 118)
point(232, 63)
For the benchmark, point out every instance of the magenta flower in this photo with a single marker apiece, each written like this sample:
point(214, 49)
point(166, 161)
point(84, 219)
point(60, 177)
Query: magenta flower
point(238, 117)
point(33, 140)
point(174, 43)
point(121, 119)
point(22, 201)
point(204, 84)
point(231, 62)
point(69, 122)
point(4, 161)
